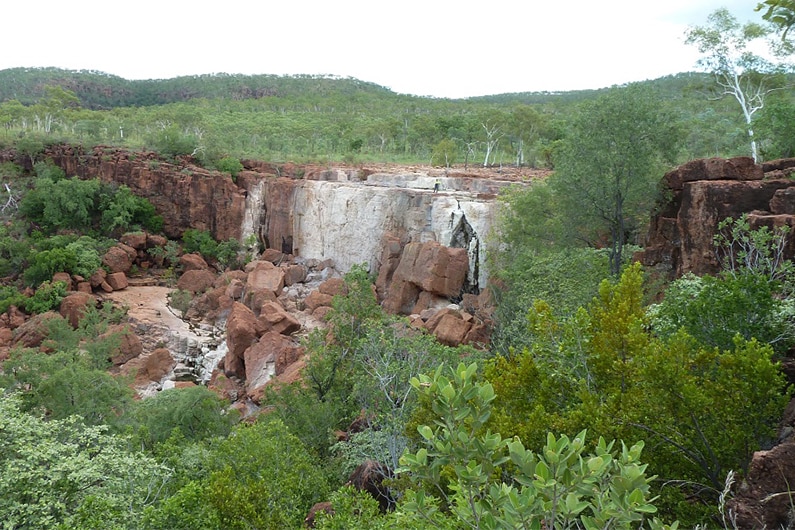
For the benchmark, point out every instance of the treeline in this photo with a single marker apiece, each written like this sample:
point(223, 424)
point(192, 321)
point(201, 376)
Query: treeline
point(315, 118)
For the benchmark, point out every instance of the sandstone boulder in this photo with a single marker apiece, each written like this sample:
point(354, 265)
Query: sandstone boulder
point(763, 500)
point(98, 278)
point(64, 277)
point(243, 329)
point(265, 276)
point(333, 287)
point(451, 329)
point(294, 274)
point(136, 240)
point(117, 281)
point(193, 262)
point(275, 318)
point(273, 256)
point(119, 258)
point(369, 476)
point(317, 299)
point(128, 344)
point(158, 364)
point(74, 305)
point(266, 359)
point(32, 333)
point(196, 281)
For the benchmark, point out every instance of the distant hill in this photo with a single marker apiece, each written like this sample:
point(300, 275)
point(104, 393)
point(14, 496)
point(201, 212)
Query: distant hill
point(98, 90)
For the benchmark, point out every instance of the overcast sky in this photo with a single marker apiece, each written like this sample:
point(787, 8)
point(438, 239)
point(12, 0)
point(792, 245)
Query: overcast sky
point(442, 48)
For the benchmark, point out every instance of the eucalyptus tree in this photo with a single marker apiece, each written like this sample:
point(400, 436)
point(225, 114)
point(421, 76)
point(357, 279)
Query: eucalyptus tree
point(727, 48)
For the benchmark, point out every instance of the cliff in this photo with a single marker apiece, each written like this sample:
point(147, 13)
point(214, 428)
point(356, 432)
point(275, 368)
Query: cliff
point(323, 213)
point(702, 193)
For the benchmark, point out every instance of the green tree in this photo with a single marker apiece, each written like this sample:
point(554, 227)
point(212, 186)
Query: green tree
point(263, 478)
point(63, 474)
point(608, 170)
point(197, 413)
point(604, 370)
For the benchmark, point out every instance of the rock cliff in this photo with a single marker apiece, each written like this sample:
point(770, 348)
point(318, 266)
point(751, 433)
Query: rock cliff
point(344, 215)
point(702, 193)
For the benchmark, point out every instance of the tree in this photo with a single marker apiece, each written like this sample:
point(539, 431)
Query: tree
point(63, 474)
point(739, 72)
point(608, 170)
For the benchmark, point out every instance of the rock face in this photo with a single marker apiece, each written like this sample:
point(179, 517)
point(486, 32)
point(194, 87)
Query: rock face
point(702, 193)
point(764, 499)
point(185, 195)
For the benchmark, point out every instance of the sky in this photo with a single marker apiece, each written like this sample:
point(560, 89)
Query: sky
point(438, 48)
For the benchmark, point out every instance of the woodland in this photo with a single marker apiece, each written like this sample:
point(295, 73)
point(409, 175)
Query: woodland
point(608, 398)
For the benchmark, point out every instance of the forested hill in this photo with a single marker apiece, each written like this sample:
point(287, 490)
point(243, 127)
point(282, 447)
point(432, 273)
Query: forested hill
point(98, 90)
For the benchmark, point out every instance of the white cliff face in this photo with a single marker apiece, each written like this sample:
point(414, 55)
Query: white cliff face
point(346, 221)
point(251, 218)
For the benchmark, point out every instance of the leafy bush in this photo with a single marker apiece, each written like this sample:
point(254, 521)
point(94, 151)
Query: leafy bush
point(230, 165)
point(44, 264)
point(47, 297)
point(263, 478)
point(172, 142)
point(197, 413)
point(716, 309)
point(60, 473)
point(702, 409)
point(561, 486)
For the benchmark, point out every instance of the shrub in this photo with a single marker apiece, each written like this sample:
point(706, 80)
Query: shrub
point(230, 165)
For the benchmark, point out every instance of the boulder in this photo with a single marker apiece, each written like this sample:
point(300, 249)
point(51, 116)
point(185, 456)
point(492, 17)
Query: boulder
point(764, 499)
point(32, 333)
point(294, 274)
point(243, 329)
point(128, 346)
point(64, 277)
point(136, 240)
point(265, 276)
point(193, 262)
point(117, 281)
point(266, 359)
point(196, 281)
point(73, 307)
point(273, 256)
point(452, 329)
point(369, 476)
point(118, 258)
point(318, 507)
point(333, 287)
point(235, 289)
point(98, 278)
point(158, 364)
point(275, 318)
point(317, 299)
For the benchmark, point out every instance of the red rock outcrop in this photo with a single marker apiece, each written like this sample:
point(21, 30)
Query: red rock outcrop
point(428, 267)
point(700, 195)
point(243, 329)
point(765, 497)
point(187, 196)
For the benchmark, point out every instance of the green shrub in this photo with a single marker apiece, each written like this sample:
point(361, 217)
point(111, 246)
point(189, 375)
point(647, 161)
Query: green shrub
point(230, 165)
point(47, 297)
